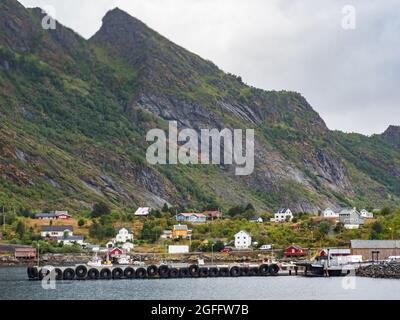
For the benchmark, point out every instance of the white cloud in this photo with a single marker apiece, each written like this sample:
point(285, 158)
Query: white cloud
point(350, 77)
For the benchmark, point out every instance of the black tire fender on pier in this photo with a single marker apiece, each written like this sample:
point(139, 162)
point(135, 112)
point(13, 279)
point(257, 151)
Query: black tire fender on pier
point(117, 273)
point(254, 271)
point(163, 271)
point(81, 272)
point(35, 273)
point(273, 269)
point(244, 271)
point(173, 273)
point(224, 272)
point(69, 274)
point(234, 271)
point(152, 271)
point(141, 273)
point(105, 274)
point(30, 271)
point(213, 272)
point(129, 273)
point(184, 272)
point(59, 273)
point(93, 274)
point(194, 270)
point(264, 270)
point(204, 272)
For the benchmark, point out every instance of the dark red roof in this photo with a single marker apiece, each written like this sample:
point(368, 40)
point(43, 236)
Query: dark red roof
point(115, 251)
point(294, 251)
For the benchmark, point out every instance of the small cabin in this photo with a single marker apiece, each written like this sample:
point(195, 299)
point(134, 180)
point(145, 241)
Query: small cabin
point(295, 251)
point(115, 252)
point(333, 252)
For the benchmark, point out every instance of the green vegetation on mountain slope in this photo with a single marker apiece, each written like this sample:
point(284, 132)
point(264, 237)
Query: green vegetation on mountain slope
point(74, 115)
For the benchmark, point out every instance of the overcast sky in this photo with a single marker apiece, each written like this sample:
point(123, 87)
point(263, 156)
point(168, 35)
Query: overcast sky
point(351, 77)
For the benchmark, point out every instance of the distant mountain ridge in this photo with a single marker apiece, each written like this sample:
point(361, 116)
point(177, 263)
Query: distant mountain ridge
point(392, 135)
point(75, 113)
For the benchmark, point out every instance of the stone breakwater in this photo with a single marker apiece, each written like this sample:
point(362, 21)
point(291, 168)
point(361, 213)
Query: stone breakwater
point(385, 271)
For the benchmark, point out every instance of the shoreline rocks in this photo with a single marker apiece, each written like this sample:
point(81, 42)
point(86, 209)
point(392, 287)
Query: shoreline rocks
point(384, 271)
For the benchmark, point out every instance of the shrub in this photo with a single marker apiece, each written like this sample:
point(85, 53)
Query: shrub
point(100, 209)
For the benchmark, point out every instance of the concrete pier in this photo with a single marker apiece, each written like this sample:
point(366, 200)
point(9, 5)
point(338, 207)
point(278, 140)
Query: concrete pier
point(115, 272)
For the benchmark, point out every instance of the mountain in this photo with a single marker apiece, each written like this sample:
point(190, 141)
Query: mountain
point(392, 136)
point(75, 114)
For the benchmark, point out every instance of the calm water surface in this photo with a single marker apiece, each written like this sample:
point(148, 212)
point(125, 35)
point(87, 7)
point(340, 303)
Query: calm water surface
point(14, 285)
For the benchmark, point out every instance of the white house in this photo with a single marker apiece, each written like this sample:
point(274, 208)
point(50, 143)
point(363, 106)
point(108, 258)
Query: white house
point(128, 246)
point(366, 214)
point(257, 219)
point(283, 215)
point(142, 211)
point(351, 218)
point(56, 231)
point(178, 249)
point(242, 240)
point(70, 240)
point(123, 235)
point(167, 234)
point(329, 213)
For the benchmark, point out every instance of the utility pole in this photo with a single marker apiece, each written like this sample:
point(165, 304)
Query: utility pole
point(212, 254)
point(38, 253)
point(4, 220)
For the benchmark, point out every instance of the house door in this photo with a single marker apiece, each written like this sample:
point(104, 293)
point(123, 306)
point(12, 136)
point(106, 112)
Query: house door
point(375, 255)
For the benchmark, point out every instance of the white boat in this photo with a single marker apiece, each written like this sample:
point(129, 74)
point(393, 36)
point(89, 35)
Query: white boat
point(95, 261)
point(124, 259)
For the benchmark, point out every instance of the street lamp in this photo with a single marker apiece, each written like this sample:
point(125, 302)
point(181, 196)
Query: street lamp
point(212, 253)
point(4, 220)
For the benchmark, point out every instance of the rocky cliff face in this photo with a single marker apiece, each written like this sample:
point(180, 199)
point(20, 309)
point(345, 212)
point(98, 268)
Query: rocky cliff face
point(75, 114)
point(392, 135)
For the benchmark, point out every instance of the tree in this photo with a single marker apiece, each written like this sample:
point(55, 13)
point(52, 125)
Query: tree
point(339, 228)
point(96, 231)
point(236, 210)
point(324, 228)
point(100, 209)
point(386, 211)
point(155, 213)
point(81, 222)
point(219, 245)
point(25, 213)
point(20, 229)
point(165, 208)
point(151, 231)
point(377, 227)
point(249, 207)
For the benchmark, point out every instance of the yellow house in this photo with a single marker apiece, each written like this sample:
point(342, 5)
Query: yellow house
point(180, 231)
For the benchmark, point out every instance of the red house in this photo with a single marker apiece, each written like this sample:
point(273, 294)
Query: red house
point(115, 252)
point(25, 253)
point(213, 214)
point(295, 251)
